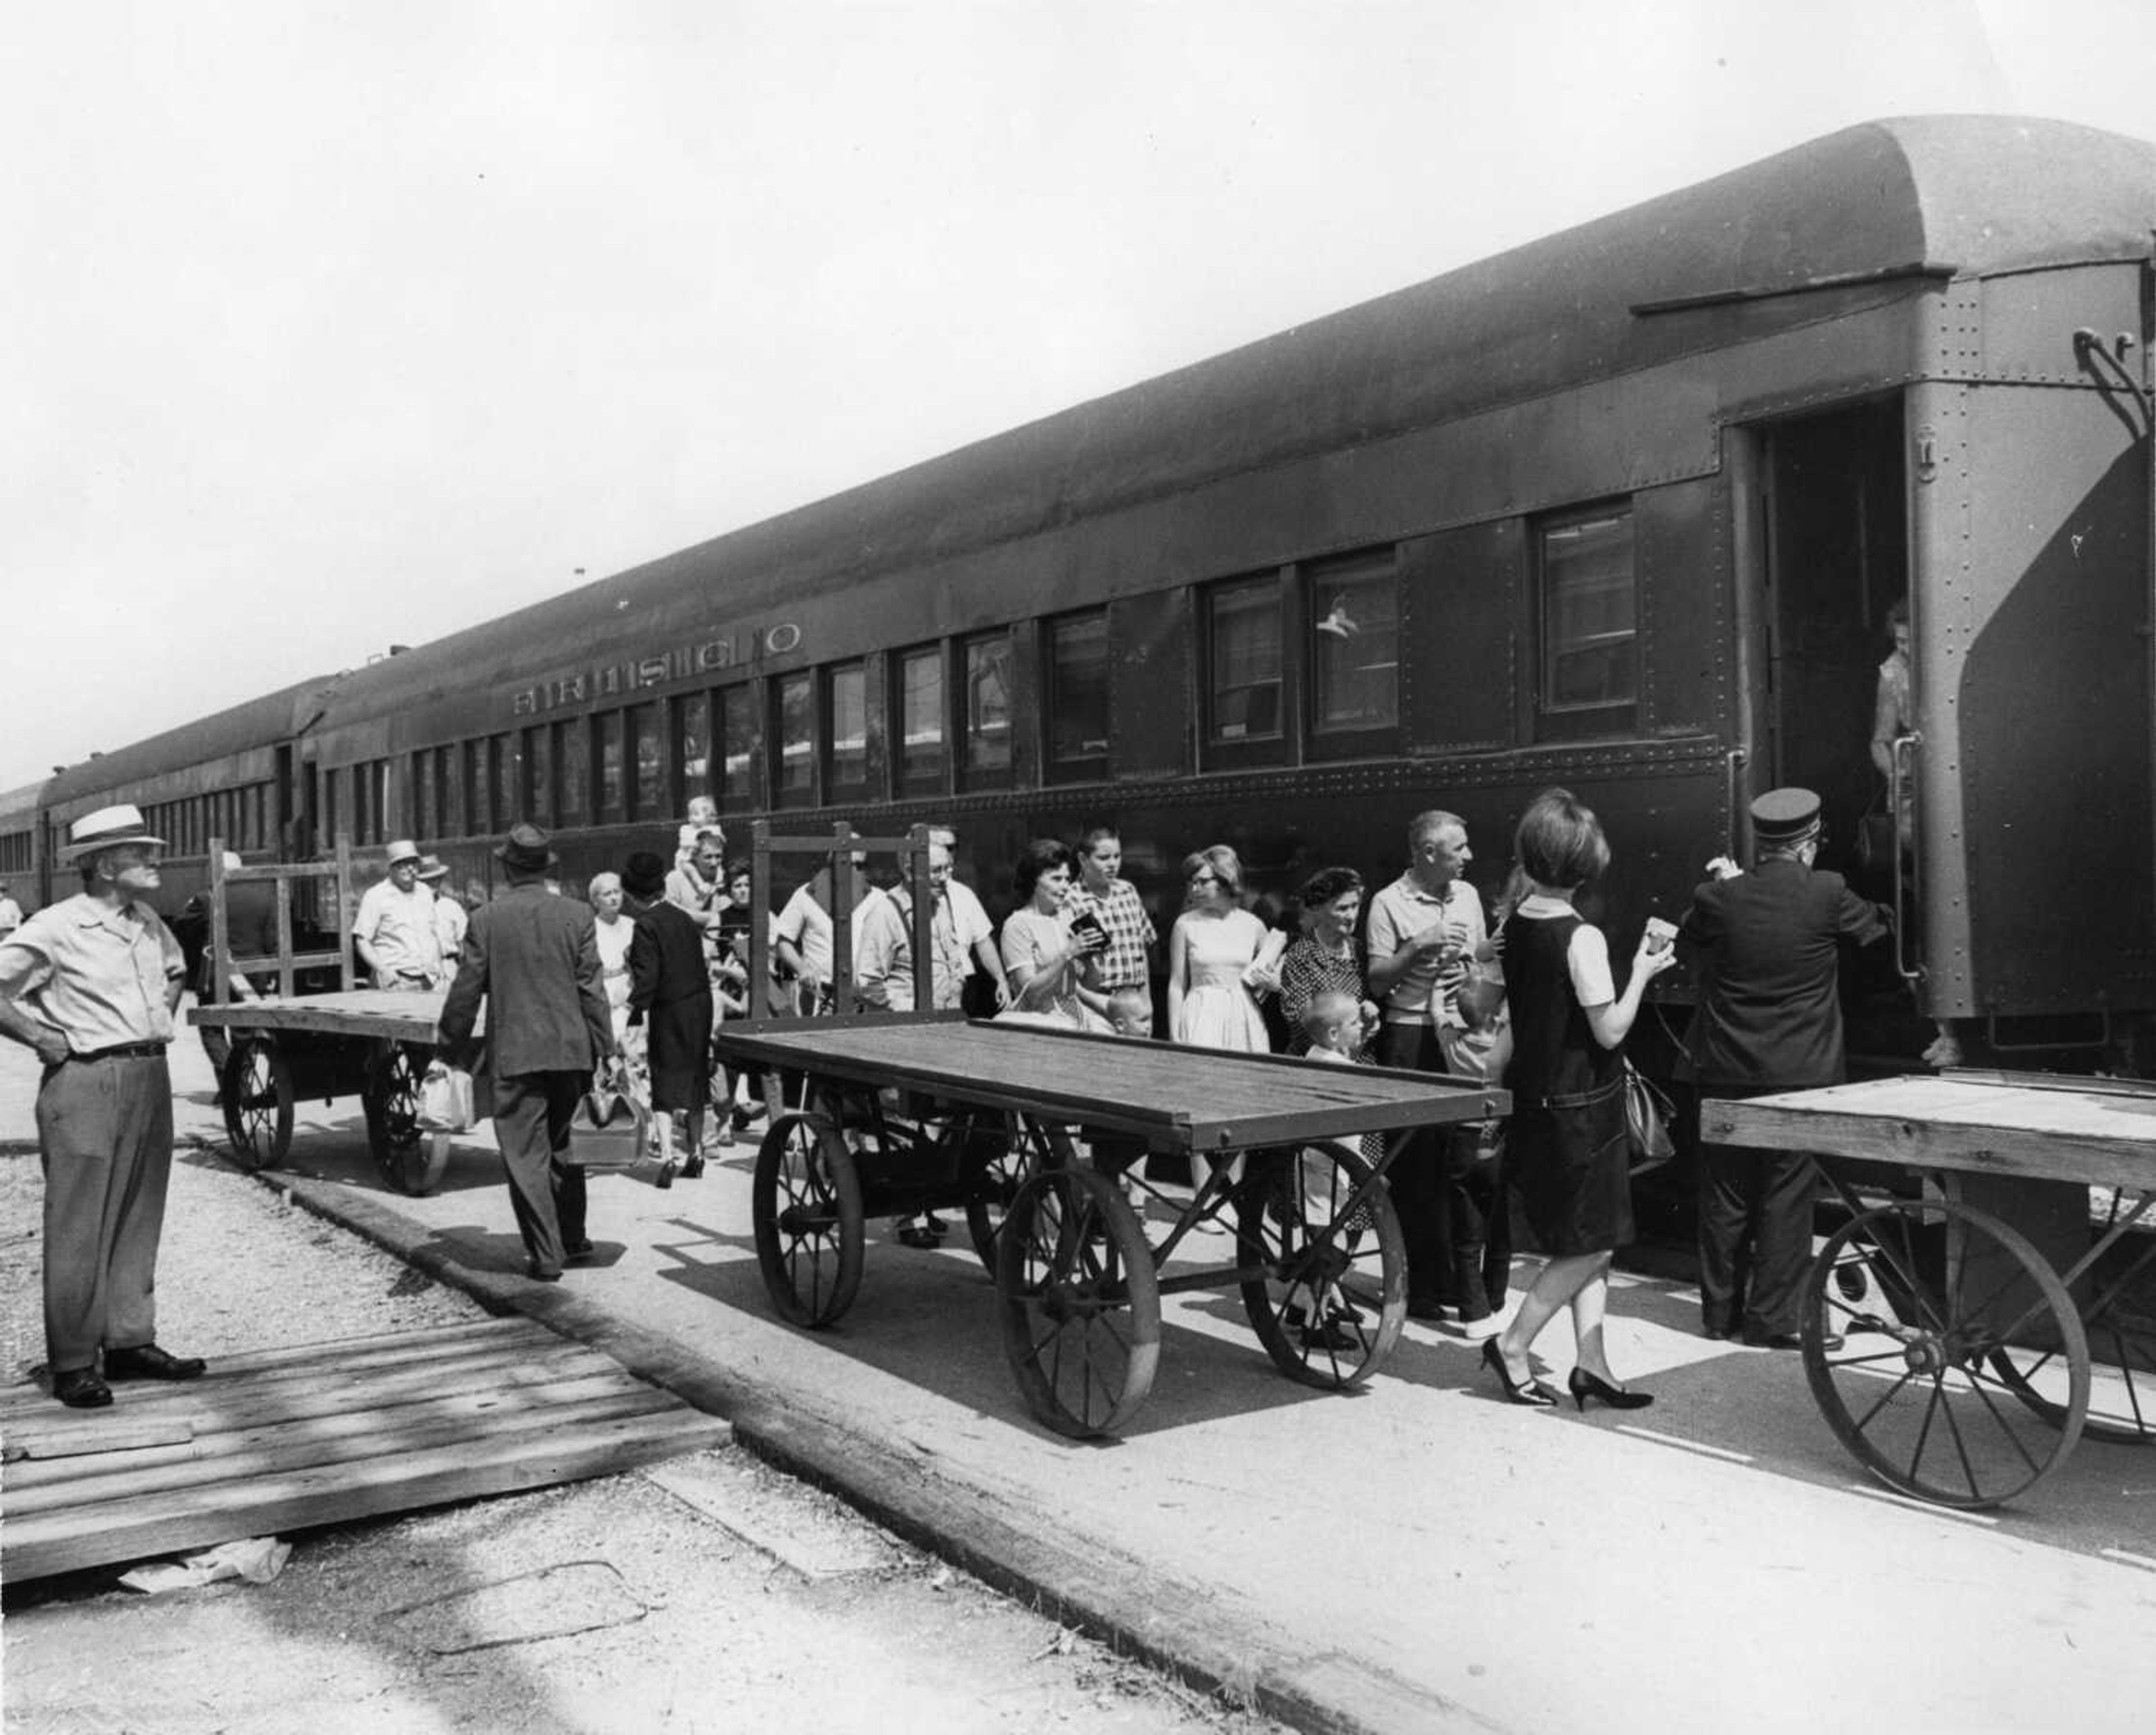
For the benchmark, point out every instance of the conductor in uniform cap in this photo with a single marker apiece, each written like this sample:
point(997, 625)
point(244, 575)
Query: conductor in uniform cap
point(1769, 946)
point(90, 983)
point(533, 958)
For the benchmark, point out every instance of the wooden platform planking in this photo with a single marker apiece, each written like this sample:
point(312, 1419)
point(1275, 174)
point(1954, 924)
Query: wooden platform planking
point(324, 1434)
point(1196, 1097)
point(2084, 1130)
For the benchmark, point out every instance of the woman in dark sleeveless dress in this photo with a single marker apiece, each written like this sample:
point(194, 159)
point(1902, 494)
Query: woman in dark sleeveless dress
point(669, 993)
point(1569, 1161)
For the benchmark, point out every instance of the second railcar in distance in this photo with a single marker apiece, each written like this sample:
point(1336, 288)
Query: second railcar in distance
point(1624, 509)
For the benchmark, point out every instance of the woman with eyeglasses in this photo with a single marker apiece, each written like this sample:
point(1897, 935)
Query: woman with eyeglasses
point(1217, 953)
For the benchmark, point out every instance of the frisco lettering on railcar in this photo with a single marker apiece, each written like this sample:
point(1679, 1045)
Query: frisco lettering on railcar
point(682, 662)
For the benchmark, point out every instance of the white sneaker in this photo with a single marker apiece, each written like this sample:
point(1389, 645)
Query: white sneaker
point(1479, 1331)
point(1945, 1051)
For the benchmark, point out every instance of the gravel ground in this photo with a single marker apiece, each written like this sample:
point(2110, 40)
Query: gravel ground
point(712, 1594)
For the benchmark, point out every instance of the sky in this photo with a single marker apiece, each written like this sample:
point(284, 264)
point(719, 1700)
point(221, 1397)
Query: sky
point(328, 327)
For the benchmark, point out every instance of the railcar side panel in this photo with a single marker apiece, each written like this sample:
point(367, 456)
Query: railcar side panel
point(2040, 689)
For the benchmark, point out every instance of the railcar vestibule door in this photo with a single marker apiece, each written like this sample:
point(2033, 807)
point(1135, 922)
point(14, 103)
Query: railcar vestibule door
point(1832, 560)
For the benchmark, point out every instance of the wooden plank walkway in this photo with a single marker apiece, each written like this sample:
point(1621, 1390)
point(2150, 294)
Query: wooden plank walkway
point(322, 1434)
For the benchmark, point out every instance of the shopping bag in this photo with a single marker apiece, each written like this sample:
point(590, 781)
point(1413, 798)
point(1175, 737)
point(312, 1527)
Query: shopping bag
point(445, 1099)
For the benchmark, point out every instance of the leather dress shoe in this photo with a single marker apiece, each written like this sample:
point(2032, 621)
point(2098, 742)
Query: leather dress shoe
point(1426, 1310)
point(540, 1274)
point(81, 1389)
point(146, 1361)
point(578, 1252)
point(1789, 1340)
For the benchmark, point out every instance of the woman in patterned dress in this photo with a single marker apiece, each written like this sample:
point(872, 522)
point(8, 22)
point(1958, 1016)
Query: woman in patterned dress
point(1326, 959)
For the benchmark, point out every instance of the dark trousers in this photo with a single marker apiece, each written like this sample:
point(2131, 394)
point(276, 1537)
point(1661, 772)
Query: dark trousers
point(1755, 1237)
point(104, 1134)
point(1477, 1220)
point(532, 1117)
point(1422, 1192)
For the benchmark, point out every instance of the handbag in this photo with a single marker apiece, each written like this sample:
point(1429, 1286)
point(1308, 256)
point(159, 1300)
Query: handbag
point(445, 1099)
point(1647, 1115)
point(607, 1100)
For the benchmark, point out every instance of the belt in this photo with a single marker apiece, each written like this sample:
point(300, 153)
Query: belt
point(123, 1051)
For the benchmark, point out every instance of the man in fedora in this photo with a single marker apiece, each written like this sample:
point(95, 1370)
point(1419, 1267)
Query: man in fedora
point(1768, 943)
point(533, 958)
point(90, 983)
point(395, 926)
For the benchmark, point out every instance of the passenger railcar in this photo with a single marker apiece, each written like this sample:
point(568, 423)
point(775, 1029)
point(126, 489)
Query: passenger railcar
point(1622, 510)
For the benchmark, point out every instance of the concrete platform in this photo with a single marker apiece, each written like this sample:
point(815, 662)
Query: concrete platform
point(1416, 1557)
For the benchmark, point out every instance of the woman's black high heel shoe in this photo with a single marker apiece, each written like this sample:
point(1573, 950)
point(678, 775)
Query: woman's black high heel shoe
point(1584, 1385)
point(1531, 1393)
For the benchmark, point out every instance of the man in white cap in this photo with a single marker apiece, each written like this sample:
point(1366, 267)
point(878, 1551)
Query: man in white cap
point(395, 927)
point(90, 983)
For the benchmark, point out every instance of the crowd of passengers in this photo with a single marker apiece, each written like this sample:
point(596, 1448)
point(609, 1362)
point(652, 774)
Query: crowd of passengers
point(1415, 974)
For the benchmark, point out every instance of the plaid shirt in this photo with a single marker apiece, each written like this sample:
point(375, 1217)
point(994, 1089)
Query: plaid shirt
point(1129, 932)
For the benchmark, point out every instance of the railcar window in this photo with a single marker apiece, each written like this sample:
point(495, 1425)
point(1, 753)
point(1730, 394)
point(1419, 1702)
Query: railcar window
point(1589, 620)
point(448, 793)
point(846, 728)
point(648, 749)
point(606, 738)
point(479, 789)
point(692, 747)
point(737, 746)
point(1354, 645)
point(539, 775)
point(1243, 655)
point(572, 773)
point(501, 778)
point(331, 826)
point(423, 794)
point(986, 746)
point(1078, 695)
point(920, 728)
point(377, 785)
point(794, 731)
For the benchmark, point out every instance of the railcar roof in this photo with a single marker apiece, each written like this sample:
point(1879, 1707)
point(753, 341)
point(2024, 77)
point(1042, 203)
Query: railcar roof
point(1966, 196)
point(255, 723)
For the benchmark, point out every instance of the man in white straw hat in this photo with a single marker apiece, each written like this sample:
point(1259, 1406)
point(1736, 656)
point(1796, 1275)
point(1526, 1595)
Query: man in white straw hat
point(395, 926)
point(90, 983)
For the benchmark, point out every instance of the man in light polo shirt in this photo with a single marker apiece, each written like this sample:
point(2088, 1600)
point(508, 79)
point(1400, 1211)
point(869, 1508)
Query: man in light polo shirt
point(1420, 928)
point(395, 927)
point(90, 983)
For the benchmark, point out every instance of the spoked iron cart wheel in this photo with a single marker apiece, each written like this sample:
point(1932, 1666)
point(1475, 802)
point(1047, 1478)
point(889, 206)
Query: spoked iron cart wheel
point(410, 1158)
point(1328, 1294)
point(806, 1205)
point(256, 1088)
point(2117, 1315)
point(1947, 1318)
point(1080, 1301)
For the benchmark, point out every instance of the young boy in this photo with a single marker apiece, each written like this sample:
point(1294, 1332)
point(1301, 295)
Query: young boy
point(1333, 1026)
point(1130, 1012)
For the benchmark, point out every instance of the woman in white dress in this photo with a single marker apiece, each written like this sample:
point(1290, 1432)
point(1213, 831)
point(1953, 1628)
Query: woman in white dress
point(1052, 968)
point(614, 930)
point(1218, 954)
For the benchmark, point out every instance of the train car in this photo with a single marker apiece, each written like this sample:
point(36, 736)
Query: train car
point(1622, 510)
point(23, 874)
point(233, 775)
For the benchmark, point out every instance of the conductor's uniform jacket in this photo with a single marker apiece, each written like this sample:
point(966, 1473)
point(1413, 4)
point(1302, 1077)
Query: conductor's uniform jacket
point(1768, 943)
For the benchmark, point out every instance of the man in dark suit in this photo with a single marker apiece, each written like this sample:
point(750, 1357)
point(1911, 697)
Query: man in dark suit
point(1770, 1019)
point(533, 957)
